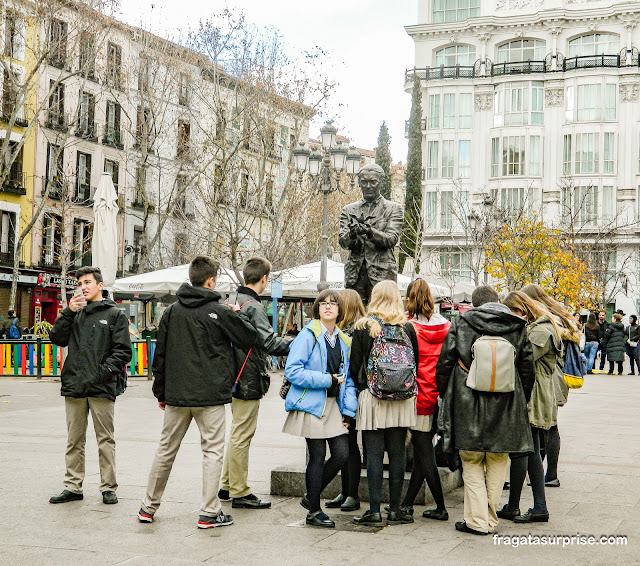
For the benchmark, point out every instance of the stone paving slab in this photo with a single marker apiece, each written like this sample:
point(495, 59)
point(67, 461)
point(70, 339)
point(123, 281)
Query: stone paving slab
point(599, 472)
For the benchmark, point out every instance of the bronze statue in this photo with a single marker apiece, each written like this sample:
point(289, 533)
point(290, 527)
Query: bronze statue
point(370, 228)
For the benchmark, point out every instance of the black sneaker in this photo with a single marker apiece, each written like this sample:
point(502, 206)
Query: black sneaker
point(144, 517)
point(250, 502)
point(223, 495)
point(66, 496)
point(109, 497)
point(221, 520)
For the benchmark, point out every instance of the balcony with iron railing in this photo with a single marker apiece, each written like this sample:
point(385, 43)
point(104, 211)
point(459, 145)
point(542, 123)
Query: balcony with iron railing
point(552, 64)
point(56, 120)
point(84, 194)
point(87, 131)
point(15, 183)
point(112, 137)
point(7, 254)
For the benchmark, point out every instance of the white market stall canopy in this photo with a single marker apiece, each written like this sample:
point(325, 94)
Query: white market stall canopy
point(299, 282)
point(168, 281)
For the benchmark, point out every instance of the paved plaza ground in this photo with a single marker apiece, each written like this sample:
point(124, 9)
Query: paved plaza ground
point(599, 471)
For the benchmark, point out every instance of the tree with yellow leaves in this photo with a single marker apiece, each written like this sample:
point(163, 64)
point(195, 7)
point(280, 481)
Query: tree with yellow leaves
point(526, 250)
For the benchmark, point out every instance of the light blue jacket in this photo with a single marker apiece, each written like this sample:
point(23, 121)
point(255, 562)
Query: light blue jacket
point(306, 370)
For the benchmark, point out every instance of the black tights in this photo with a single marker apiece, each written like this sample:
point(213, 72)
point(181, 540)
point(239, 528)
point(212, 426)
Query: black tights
point(552, 453)
point(424, 468)
point(533, 464)
point(619, 366)
point(351, 470)
point(376, 442)
point(320, 473)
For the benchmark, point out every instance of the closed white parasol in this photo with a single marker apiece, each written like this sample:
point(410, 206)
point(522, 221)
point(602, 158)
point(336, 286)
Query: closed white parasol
point(104, 244)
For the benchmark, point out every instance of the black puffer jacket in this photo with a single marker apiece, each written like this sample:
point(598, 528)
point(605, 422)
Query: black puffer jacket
point(475, 420)
point(99, 349)
point(254, 381)
point(615, 341)
point(193, 362)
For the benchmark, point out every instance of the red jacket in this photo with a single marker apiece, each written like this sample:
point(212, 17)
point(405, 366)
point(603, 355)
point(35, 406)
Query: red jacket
point(430, 338)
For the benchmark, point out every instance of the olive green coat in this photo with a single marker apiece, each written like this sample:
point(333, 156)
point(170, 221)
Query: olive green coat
point(547, 348)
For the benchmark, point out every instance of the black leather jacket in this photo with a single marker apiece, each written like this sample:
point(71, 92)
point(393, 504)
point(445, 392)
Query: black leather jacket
point(475, 420)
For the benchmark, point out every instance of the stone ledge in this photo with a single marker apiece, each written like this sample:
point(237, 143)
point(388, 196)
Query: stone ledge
point(291, 482)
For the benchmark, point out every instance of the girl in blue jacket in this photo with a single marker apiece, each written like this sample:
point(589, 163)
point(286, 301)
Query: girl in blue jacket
point(321, 403)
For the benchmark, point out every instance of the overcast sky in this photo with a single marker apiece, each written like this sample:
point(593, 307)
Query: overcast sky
point(365, 39)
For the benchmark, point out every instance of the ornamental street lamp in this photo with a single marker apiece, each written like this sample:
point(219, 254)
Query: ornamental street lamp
point(325, 169)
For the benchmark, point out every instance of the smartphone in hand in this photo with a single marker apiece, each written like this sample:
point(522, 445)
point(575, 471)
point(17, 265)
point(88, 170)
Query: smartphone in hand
point(80, 300)
point(233, 298)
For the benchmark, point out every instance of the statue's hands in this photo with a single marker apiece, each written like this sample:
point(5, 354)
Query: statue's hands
point(366, 230)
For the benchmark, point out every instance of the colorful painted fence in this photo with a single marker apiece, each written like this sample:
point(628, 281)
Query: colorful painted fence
point(40, 358)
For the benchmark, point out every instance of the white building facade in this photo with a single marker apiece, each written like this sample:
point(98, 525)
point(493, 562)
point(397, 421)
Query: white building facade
point(530, 105)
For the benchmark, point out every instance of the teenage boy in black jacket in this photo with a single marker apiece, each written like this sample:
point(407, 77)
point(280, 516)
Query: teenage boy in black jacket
point(97, 334)
point(193, 370)
point(251, 386)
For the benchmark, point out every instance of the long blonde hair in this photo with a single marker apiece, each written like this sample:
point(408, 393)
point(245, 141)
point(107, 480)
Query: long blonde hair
point(531, 308)
point(537, 293)
point(353, 308)
point(386, 304)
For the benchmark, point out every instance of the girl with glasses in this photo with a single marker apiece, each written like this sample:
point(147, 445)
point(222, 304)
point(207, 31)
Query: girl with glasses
point(321, 403)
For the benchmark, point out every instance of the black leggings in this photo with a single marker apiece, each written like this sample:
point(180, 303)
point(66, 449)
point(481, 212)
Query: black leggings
point(424, 468)
point(320, 473)
point(376, 442)
point(620, 369)
point(351, 470)
point(533, 464)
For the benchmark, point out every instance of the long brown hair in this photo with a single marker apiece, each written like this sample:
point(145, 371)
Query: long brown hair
point(537, 293)
point(419, 299)
point(531, 309)
point(352, 307)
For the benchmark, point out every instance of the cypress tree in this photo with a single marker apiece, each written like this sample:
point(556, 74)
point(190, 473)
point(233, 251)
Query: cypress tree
point(412, 230)
point(383, 158)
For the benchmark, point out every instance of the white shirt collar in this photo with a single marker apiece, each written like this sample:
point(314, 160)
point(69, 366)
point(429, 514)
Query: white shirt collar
point(330, 337)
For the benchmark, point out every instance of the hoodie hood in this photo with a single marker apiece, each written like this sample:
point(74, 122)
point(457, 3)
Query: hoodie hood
point(435, 331)
point(192, 297)
point(545, 321)
point(572, 334)
point(491, 320)
point(99, 305)
point(617, 325)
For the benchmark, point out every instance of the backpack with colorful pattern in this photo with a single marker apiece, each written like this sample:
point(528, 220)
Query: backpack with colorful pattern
point(391, 368)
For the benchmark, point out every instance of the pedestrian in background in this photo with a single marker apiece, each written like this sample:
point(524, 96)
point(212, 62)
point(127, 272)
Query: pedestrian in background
point(383, 422)
point(615, 343)
point(96, 333)
point(194, 371)
point(603, 323)
point(591, 341)
point(348, 499)
point(633, 337)
point(431, 329)
point(321, 402)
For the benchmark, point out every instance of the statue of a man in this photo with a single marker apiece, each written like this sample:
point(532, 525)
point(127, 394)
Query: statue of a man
point(370, 228)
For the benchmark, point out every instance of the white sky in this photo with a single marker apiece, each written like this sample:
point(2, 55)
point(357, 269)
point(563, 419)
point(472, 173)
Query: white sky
point(365, 39)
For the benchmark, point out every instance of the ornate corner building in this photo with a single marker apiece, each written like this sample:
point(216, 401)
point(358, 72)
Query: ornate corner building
point(530, 106)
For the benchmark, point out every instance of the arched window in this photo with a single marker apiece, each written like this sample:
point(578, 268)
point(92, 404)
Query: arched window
point(455, 10)
point(595, 44)
point(521, 50)
point(464, 55)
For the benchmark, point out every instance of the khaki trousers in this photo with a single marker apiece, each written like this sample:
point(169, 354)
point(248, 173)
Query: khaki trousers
point(483, 474)
point(211, 423)
point(236, 461)
point(102, 413)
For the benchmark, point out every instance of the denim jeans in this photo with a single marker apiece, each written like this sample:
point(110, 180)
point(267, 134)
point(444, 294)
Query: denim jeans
point(590, 351)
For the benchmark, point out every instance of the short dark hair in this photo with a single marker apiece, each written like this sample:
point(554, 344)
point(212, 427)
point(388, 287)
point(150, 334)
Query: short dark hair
point(323, 296)
point(201, 269)
point(12, 313)
point(484, 294)
point(89, 270)
point(255, 269)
